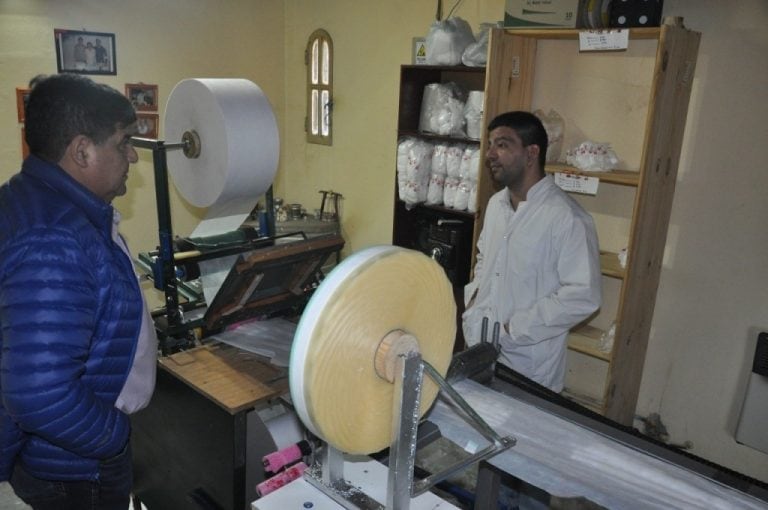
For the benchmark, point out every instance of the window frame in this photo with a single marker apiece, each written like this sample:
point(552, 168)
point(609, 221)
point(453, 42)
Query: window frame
point(318, 58)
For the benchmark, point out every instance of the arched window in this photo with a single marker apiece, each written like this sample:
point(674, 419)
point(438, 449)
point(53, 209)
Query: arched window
point(319, 60)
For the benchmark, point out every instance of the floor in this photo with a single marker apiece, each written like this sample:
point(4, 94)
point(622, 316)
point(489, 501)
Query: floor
point(9, 501)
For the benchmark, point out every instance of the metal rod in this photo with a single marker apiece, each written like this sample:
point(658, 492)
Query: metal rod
point(482, 426)
point(406, 402)
point(167, 275)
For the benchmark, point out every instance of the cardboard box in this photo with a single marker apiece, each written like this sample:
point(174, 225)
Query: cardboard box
point(541, 13)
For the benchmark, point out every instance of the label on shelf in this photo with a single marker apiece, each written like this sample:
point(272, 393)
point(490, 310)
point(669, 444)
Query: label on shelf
point(602, 40)
point(577, 183)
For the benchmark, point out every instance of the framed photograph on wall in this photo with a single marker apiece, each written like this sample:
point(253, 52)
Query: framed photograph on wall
point(85, 52)
point(143, 97)
point(148, 124)
point(22, 95)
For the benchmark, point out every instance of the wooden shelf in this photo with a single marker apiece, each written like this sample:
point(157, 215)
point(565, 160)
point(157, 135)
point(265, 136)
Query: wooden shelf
point(573, 33)
point(437, 138)
point(586, 340)
point(590, 402)
point(623, 177)
point(610, 265)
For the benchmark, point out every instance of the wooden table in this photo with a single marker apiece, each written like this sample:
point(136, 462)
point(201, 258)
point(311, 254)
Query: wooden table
point(200, 442)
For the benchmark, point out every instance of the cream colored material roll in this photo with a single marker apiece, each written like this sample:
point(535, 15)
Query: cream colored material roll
point(239, 147)
point(335, 388)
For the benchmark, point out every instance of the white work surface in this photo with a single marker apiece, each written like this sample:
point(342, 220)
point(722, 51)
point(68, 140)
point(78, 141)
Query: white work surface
point(368, 475)
point(569, 460)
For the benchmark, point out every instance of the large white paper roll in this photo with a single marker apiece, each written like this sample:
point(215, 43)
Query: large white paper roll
point(239, 147)
point(237, 161)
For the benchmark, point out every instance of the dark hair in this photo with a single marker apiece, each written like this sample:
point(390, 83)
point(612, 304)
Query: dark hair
point(528, 127)
point(63, 106)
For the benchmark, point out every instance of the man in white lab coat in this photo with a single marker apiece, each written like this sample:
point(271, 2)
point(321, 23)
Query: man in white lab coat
point(538, 267)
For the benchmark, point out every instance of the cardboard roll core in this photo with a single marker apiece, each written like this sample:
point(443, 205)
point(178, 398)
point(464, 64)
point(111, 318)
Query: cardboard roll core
point(375, 305)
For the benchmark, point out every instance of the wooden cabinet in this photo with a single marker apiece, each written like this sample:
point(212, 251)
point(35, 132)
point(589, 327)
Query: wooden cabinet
point(636, 100)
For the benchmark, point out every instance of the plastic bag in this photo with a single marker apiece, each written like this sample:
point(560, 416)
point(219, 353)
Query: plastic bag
point(554, 125)
point(476, 54)
point(447, 40)
point(442, 109)
point(592, 157)
point(473, 114)
point(414, 165)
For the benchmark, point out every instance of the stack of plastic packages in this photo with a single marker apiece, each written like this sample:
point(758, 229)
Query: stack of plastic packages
point(438, 174)
point(414, 164)
point(453, 166)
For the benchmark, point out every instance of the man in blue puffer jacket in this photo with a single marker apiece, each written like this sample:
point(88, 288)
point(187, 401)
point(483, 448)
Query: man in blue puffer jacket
point(77, 347)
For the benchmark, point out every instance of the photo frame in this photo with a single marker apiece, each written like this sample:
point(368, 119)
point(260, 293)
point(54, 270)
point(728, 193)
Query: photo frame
point(85, 52)
point(24, 146)
point(143, 97)
point(22, 96)
point(148, 124)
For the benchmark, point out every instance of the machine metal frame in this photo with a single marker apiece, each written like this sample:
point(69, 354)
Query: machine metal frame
point(327, 473)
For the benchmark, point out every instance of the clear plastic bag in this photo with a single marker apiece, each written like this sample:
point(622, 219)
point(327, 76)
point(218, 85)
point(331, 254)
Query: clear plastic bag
point(447, 40)
point(555, 128)
point(476, 54)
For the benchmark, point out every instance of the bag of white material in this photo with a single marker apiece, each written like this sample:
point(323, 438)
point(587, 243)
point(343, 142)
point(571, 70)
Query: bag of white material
point(414, 164)
point(449, 191)
point(447, 40)
point(473, 114)
point(453, 159)
point(476, 54)
point(472, 201)
point(436, 189)
point(554, 125)
point(403, 150)
point(439, 156)
point(592, 157)
point(465, 167)
point(442, 109)
point(474, 165)
point(461, 199)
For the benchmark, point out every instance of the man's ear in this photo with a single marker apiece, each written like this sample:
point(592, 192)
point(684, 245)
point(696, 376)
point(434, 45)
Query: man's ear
point(533, 153)
point(78, 150)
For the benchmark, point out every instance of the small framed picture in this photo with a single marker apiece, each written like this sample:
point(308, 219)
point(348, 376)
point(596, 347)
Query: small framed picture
point(22, 96)
point(143, 97)
point(85, 52)
point(148, 124)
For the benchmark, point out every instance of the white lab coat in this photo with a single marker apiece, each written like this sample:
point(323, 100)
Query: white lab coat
point(538, 275)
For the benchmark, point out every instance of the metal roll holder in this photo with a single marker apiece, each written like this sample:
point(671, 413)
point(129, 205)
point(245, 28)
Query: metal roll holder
point(174, 333)
point(327, 472)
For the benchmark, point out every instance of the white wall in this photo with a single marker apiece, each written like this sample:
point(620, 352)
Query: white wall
point(713, 296)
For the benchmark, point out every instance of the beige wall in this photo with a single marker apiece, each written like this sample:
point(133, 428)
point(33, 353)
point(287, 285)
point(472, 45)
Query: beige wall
point(156, 42)
point(713, 291)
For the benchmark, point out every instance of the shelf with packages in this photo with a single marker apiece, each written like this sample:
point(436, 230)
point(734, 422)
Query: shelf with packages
point(614, 176)
point(411, 223)
point(446, 233)
point(635, 99)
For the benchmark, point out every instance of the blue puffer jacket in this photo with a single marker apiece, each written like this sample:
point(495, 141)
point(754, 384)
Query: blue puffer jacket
point(70, 314)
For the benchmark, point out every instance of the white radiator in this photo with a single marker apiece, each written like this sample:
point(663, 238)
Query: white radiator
point(752, 429)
